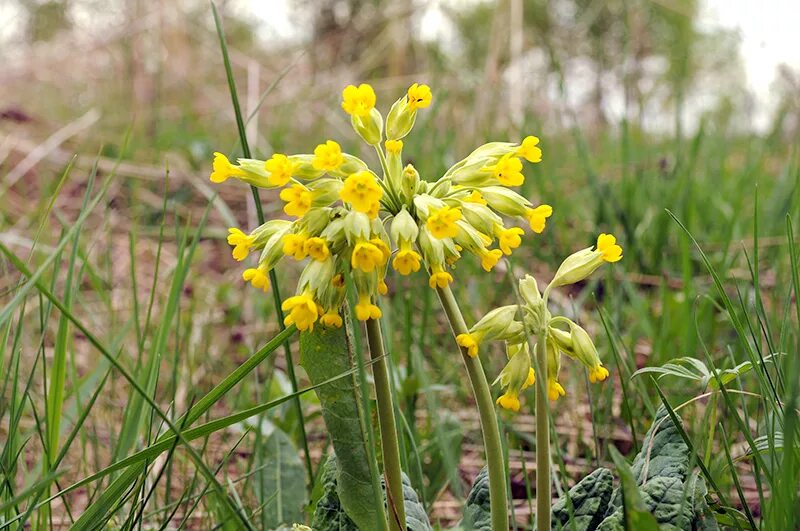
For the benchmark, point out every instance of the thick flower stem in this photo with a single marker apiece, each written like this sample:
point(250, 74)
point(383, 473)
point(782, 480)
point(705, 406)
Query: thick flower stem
point(488, 417)
point(543, 498)
point(389, 443)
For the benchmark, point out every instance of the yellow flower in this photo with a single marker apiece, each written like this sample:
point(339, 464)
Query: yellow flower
point(598, 374)
point(327, 156)
point(374, 209)
point(294, 246)
point(362, 191)
point(331, 319)
point(507, 170)
point(509, 401)
point(442, 222)
point(366, 256)
point(280, 169)
point(338, 281)
point(383, 289)
point(394, 146)
point(358, 101)
point(439, 278)
point(419, 96)
point(490, 258)
point(303, 311)
point(406, 261)
point(366, 310)
point(468, 342)
point(537, 217)
point(317, 248)
point(475, 197)
point(298, 200)
point(241, 243)
point(384, 249)
point(529, 150)
point(554, 389)
point(607, 244)
point(223, 169)
point(257, 277)
point(509, 239)
point(531, 378)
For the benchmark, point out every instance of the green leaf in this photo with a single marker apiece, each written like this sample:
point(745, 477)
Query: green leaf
point(589, 500)
point(282, 478)
point(477, 510)
point(416, 517)
point(634, 514)
point(325, 353)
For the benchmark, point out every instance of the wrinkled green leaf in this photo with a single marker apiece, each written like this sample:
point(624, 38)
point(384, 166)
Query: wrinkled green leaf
point(633, 514)
point(283, 481)
point(477, 510)
point(324, 353)
point(586, 504)
point(416, 517)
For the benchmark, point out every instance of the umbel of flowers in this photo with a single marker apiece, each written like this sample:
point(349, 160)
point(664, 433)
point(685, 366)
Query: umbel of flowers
point(514, 324)
point(349, 219)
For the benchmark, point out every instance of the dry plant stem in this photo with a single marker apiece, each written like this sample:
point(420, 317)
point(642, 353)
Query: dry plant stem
point(488, 417)
point(389, 443)
point(543, 497)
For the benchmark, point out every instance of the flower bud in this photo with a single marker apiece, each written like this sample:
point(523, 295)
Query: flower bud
point(369, 127)
point(577, 267)
point(480, 216)
point(409, 182)
point(350, 165)
point(505, 201)
point(304, 168)
point(515, 376)
point(400, 119)
point(356, 227)
point(315, 220)
point(404, 228)
point(326, 191)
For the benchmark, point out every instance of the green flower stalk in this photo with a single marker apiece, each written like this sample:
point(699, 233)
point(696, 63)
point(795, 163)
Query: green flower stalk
point(346, 219)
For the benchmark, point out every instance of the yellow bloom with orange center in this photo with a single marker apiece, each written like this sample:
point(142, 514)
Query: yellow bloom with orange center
point(509, 239)
point(294, 246)
point(406, 261)
point(439, 278)
point(468, 342)
point(489, 258)
point(280, 169)
point(362, 191)
point(507, 170)
point(419, 96)
point(394, 146)
point(223, 169)
point(241, 243)
point(529, 149)
point(366, 256)
point(365, 310)
point(303, 311)
point(442, 222)
point(317, 248)
point(298, 200)
point(327, 156)
point(358, 101)
point(537, 217)
point(607, 244)
point(257, 277)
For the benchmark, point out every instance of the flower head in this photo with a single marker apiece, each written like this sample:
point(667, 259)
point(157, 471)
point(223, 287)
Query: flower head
point(294, 245)
point(298, 200)
point(507, 170)
point(442, 222)
point(406, 261)
point(303, 311)
point(327, 156)
point(419, 96)
point(607, 245)
point(362, 191)
point(366, 256)
point(529, 149)
point(223, 169)
point(509, 239)
point(358, 101)
point(537, 217)
point(280, 169)
point(241, 242)
point(257, 277)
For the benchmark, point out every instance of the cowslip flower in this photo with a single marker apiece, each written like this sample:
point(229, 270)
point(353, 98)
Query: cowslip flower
point(362, 191)
point(257, 277)
point(529, 149)
point(303, 311)
point(419, 96)
point(298, 200)
point(358, 101)
point(241, 243)
point(328, 156)
point(442, 222)
point(223, 169)
point(507, 170)
point(508, 239)
point(367, 256)
point(537, 217)
point(280, 169)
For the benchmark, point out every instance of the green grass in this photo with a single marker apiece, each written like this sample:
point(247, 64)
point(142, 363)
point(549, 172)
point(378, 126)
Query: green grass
point(139, 380)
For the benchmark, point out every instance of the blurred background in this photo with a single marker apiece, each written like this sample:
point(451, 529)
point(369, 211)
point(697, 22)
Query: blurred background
point(641, 105)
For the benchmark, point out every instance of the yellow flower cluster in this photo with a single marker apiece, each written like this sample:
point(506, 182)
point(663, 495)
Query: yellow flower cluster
point(531, 318)
point(350, 221)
